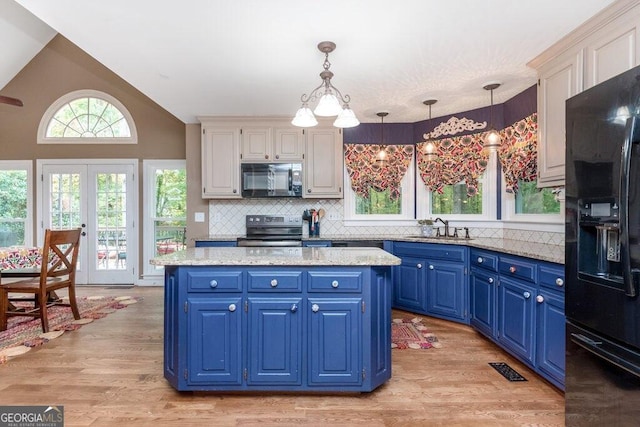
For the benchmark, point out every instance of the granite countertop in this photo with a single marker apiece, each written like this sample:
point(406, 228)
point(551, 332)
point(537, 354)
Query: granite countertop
point(539, 251)
point(269, 256)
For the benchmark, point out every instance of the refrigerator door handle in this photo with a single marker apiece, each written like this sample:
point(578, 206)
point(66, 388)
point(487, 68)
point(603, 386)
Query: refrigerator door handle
point(629, 276)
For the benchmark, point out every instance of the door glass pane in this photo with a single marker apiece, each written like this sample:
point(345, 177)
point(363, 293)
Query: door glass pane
point(111, 220)
point(13, 209)
point(65, 200)
point(170, 210)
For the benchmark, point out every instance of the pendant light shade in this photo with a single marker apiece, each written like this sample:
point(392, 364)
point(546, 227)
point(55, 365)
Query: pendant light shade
point(331, 102)
point(430, 146)
point(492, 139)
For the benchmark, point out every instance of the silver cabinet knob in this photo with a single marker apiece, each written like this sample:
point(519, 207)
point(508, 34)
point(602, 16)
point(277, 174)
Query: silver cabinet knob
point(334, 284)
point(294, 308)
point(315, 308)
point(235, 191)
point(526, 295)
point(431, 267)
point(213, 283)
point(232, 307)
point(539, 298)
point(419, 265)
point(480, 260)
point(512, 269)
point(559, 282)
point(274, 283)
point(490, 280)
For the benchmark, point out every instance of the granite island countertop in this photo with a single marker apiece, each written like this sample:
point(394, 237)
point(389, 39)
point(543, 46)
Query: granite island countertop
point(269, 256)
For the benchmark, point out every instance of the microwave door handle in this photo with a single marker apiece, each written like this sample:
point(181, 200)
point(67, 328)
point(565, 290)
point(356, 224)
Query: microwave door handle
point(625, 169)
point(290, 180)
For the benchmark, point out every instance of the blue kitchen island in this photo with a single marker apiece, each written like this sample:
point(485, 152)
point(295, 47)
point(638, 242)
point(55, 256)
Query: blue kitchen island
point(277, 319)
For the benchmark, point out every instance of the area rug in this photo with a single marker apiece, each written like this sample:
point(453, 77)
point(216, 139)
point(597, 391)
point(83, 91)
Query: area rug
point(412, 333)
point(24, 333)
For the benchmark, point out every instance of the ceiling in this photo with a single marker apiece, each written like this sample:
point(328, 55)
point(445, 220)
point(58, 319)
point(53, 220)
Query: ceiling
point(257, 57)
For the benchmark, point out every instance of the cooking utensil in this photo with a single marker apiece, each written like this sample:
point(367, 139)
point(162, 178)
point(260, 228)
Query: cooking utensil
point(321, 212)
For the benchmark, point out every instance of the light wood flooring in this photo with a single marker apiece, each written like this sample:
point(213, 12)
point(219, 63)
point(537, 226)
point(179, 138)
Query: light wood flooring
point(109, 373)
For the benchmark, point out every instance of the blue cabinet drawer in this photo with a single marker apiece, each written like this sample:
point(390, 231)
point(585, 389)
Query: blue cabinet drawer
point(334, 281)
point(275, 281)
point(206, 281)
point(518, 268)
point(215, 243)
point(551, 277)
point(483, 259)
point(430, 251)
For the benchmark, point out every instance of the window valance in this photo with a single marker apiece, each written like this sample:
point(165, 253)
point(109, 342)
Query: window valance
point(365, 173)
point(518, 152)
point(456, 159)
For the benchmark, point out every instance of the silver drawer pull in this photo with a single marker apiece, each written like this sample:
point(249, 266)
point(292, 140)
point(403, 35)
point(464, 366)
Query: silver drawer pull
point(419, 265)
point(559, 282)
point(480, 260)
point(274, 283)
point(294, 308)
point(539, 298)
point(213, 283)
point(232, 307)
point(315, 308)
point(490, 280)
point(512, 269)
point(335, 284)
point(526, 295)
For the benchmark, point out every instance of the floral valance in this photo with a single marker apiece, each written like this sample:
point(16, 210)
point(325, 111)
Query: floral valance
point(455, 159)
point(518, 152)
point(365, 173)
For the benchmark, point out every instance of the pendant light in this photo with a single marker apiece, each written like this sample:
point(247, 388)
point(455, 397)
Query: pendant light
point(381, 157)
point(430, 146)
point(331, 101)
point(492, 139)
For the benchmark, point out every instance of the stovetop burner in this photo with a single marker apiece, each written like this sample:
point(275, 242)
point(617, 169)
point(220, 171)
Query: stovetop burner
point(272, 230)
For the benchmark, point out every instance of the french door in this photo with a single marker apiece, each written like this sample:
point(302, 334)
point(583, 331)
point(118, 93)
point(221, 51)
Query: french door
point(101, 198)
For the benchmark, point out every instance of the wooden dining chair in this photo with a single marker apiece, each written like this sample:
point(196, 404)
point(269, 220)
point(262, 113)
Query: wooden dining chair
point(58, 271)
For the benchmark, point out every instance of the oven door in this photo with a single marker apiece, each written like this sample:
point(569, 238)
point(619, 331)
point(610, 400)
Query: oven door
point(281, 243)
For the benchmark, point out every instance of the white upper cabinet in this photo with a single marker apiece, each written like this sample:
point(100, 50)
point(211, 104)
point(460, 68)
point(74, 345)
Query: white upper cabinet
point(323, 166)
point(220, 162)
point(603, 47)
point(271, 144)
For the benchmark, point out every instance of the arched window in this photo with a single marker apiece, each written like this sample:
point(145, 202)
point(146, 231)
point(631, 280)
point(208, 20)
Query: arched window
point(87, 117)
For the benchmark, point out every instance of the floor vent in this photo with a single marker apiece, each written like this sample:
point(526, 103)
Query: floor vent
point(507, 371)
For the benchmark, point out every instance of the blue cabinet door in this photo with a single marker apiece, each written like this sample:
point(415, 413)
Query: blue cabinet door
point(482, 306)
point(446, 290)
point(335, 340)
point(550, 348)
point(409, 285)
point(214, 341)
point(274, 349)
point(516, 310)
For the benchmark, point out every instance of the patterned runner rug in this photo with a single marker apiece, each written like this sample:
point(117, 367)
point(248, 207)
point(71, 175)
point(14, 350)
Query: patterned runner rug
point(23, 333)
point(411, 333)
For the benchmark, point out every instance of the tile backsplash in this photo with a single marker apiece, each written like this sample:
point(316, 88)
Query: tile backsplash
point(227, 218)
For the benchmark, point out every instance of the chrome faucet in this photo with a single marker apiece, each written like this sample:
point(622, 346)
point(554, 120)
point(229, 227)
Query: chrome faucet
point(446, 225)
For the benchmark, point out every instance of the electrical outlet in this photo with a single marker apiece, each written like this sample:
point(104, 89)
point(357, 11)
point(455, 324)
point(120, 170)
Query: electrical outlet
point(333, 216)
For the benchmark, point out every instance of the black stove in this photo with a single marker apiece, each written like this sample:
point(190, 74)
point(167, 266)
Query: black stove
point(272, 230)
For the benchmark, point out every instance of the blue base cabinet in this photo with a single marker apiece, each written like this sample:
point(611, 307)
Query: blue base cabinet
point(324, 329)
point(431, 280)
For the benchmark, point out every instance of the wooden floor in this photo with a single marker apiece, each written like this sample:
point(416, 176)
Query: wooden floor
point(109, 373)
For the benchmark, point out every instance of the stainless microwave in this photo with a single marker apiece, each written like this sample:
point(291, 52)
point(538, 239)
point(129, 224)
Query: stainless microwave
point(271, 179)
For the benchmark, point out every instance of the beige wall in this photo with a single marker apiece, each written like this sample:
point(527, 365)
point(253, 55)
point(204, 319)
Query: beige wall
point(61, 67)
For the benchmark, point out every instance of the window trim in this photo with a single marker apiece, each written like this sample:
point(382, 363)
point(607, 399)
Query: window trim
point(510, 216)
point(26, 165)
point(85, 93)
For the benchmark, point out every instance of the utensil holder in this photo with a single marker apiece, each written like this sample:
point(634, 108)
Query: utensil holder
point(316, 229)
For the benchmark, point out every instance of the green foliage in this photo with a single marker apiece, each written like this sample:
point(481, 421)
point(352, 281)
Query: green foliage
point(533, 200)
point(454, 200)
point(378, 203)
point(171, 193)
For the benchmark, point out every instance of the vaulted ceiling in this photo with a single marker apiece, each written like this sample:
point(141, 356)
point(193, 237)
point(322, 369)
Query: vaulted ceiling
point(257, 57)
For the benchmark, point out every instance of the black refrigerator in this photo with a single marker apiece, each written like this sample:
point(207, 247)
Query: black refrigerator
point(602, 254)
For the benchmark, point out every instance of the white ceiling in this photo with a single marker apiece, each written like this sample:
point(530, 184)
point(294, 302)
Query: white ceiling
point(257, 57)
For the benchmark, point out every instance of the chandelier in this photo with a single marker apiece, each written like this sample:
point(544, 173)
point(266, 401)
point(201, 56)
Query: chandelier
point(331, 101)
point(492, 139)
